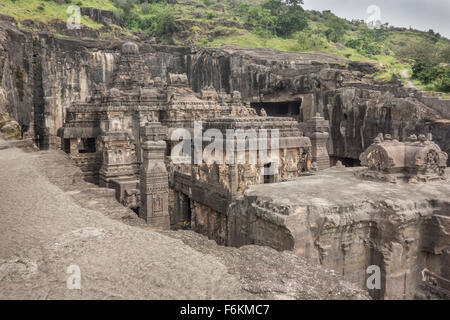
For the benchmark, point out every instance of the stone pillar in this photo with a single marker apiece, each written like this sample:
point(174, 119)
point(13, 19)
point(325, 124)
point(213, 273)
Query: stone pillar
point(154, 178)
point(316, 129)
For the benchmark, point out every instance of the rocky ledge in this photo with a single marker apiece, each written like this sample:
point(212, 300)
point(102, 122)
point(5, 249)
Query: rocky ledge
point(52, 219)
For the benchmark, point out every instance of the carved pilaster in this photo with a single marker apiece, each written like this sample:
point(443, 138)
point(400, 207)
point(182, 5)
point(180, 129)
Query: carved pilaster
point(316, 129)
point(154, 179)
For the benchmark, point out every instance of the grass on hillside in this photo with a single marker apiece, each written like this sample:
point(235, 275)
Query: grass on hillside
point(215, 23)
point(45, 11)
point(388, 64)
point(429, 89)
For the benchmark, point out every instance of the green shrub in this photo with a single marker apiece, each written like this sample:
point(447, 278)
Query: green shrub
point(364, 47)
point(370, 49)
point(265, 23)
point(62, 1)
point(445, 54)
point(308, 41)
point(425, 72)
point(149, 24)
point(166, 24)
point(442, 82)
point(293, 20)
point(337, 27)
point(211, 15)
point(119, 14)
point(243, 8)
point(280, 17)
point(132, 20)
point(145, 8)
point(354, 43)
point(208, 2)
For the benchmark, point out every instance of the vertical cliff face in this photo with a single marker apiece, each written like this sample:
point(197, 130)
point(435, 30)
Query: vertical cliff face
point(261, 74)
point(358, 115)
point(69, 71)
point(358, 108)
point(41, 76)
point(348, 224)
point(16, 75)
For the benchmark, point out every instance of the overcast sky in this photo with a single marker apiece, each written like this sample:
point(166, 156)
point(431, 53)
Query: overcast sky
point(419, 14)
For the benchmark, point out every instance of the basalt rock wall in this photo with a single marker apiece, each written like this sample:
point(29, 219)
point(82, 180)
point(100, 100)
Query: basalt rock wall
point(16, 74)
point(358, 107)
point(358, 115)
point(346, 224)
point(41, 75)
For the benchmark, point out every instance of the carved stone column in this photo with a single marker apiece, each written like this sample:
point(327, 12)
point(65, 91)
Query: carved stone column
point(316, 129)
point(154, 180)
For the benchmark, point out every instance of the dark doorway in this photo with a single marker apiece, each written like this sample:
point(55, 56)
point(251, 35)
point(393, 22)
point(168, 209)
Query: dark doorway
point(268, 174)
point(279, 109)
point(66, 145)
point(182, 211)
point(87, 145)
point(348, 162)
point(189, 211)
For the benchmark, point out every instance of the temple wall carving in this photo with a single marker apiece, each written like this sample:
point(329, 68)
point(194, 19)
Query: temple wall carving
point(405, 239)
point(154, 179)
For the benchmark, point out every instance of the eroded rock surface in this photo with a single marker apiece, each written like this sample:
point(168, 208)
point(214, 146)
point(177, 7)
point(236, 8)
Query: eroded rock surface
point(42, 76)
point(347, 224)
point(52, 219)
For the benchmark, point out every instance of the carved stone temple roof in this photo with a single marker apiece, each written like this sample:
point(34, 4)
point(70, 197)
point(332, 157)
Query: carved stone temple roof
point(288, 128)
point(129, 48)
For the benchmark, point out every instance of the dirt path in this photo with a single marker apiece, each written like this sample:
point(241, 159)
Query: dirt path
point(405, 75)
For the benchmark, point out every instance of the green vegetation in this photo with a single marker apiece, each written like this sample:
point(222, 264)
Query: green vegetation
point(48, 10)
point(430, 67)
point(278, 24)
point(336, 27)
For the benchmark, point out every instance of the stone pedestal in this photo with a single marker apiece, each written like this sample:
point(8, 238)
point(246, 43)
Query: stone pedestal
point(154, 179)
point(119, 159)
point(319, 152)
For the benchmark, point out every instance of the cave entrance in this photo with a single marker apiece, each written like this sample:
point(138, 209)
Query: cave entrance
point(269, 176)
point(279, 109)
point(66, 145)
point(348, 162)
point(87, 145)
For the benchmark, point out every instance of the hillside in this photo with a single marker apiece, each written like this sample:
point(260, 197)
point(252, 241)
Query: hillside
point(256, 23)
